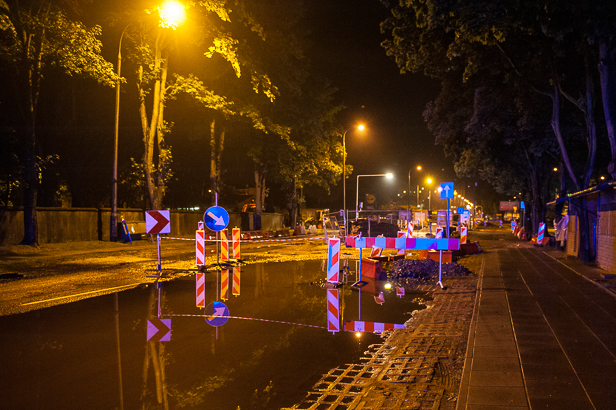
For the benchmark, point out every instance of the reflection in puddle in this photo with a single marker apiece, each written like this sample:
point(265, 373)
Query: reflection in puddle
point(269, 352)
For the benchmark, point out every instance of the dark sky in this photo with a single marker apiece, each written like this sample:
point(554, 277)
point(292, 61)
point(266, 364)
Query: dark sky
point(347, 49)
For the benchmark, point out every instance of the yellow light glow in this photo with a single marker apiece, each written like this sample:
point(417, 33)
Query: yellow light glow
point(389, 175)
point(388, 286)
point(361, 127)
point(172, 14)
point(429, 180)
point(358, 334)
point(418, 167)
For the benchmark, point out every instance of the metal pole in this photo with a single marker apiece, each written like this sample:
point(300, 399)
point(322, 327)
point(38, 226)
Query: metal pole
point(408, 218)
point(357, 198)
point(344, 181)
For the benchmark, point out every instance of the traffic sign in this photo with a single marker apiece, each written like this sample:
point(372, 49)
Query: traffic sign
point(216, 218)
point(157, 222)
point(216, 313)
point(159, 330)
point(460, 210)
point(446, 190)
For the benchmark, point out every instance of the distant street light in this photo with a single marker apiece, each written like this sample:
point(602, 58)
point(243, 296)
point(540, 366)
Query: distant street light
point(172, 13)
point(389, 175)
point(360, 127)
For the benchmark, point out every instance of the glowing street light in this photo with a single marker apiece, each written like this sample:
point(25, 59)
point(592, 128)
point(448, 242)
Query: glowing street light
point(172, 14)
point(389, 175)
point(360, 127)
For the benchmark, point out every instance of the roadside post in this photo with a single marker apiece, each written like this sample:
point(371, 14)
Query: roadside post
point(157, 222)
point(541, 233)
point(447, 192)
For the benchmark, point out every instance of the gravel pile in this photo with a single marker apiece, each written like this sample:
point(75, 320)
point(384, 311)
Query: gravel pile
point(423, 269)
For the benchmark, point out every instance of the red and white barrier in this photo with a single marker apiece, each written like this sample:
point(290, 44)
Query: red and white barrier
point(541, 233)
point(463, 234)
point(200, 282)
point(333, 259)
point(235, 288)
point(410, 230)
point(236, 239)
point(224, 284)
point(333, 311)
point(403, 243)
point(372, 327)
point(200, 247)
point(224, 245)
point(439, 232)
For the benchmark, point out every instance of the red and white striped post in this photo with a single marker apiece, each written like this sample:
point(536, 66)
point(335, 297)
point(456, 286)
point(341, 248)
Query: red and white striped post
point(333, 259)
point(236, 237)
point(333, 311)
point(200, 282)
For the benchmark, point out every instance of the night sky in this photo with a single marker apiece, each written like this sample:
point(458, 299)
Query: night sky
point(347, 40)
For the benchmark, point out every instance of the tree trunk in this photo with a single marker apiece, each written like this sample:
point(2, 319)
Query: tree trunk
point(559, 137)
point(608, 95)
point(213, 170)
point(31, 191)
point(293, 203)
point(259, 191)
point(149, 128)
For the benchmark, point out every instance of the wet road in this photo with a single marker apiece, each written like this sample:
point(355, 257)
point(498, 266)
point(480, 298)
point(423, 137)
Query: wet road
point(87, 354)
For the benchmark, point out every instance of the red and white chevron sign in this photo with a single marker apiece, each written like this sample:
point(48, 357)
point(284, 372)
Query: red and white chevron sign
point(159, 330)
point(157, 222)
point(333, 311)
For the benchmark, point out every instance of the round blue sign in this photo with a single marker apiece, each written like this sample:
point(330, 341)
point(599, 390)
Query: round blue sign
point(216, 314)
point(216, 218)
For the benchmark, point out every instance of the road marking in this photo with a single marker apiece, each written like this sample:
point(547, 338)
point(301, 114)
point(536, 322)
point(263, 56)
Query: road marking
point(80, 294)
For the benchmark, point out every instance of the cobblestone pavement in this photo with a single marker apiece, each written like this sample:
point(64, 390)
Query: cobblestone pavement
point(417, 368)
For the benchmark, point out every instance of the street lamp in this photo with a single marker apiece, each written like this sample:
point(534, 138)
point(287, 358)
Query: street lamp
point(418, 168)
point(172, 14)
point(388, 175)
point(360, 127)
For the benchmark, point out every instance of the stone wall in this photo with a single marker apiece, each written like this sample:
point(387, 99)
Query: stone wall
point(57, 225)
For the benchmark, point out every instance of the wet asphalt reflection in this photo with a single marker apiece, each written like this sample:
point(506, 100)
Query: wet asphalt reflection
point(267, 355)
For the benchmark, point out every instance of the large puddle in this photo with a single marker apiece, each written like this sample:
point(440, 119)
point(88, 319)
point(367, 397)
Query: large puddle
point(272, 349)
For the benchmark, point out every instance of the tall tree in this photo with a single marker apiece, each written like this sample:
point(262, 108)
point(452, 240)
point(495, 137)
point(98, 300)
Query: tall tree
point(38, 37)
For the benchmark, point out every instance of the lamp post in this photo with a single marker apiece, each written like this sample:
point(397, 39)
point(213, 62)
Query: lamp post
point(172, 13)
point(418, 168)
point(429, 182)
point(360, 127)
point(388, 175)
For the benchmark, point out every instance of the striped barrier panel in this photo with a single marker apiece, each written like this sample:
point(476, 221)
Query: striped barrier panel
point(333, 311)
point(224, 284)
point(200, 282)
point(235, 288)
point(541, 233)
point(439, 233)
point(372, 327)
point(333, 259)
point(463, 234)
point(447, 244)
point(200, 247)
point(410, 230)
point(235, 236)
point(224, 245)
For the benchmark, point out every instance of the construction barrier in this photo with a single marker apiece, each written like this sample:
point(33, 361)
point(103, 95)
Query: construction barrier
point(372, 327)
point(224, 248)
point(333, 311)
point(200, 285)
point(333, 259)
point(236, 243)
point(448, 244)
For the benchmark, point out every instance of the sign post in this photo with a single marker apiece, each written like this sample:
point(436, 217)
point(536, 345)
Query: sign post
point(447, 192)
point(157, 222)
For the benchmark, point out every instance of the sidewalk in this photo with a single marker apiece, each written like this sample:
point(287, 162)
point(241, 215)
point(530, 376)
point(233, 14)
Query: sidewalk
point(543, 335)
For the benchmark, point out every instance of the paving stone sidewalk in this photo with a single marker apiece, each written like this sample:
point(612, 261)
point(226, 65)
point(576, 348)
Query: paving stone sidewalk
point(417, 368)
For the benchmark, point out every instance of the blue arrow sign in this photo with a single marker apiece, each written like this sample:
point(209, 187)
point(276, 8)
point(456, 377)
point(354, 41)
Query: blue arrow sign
point(216, 314)
point(216, 218)
point(446, 190)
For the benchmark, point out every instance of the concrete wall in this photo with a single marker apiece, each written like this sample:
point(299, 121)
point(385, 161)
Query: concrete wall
point(57, 225)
